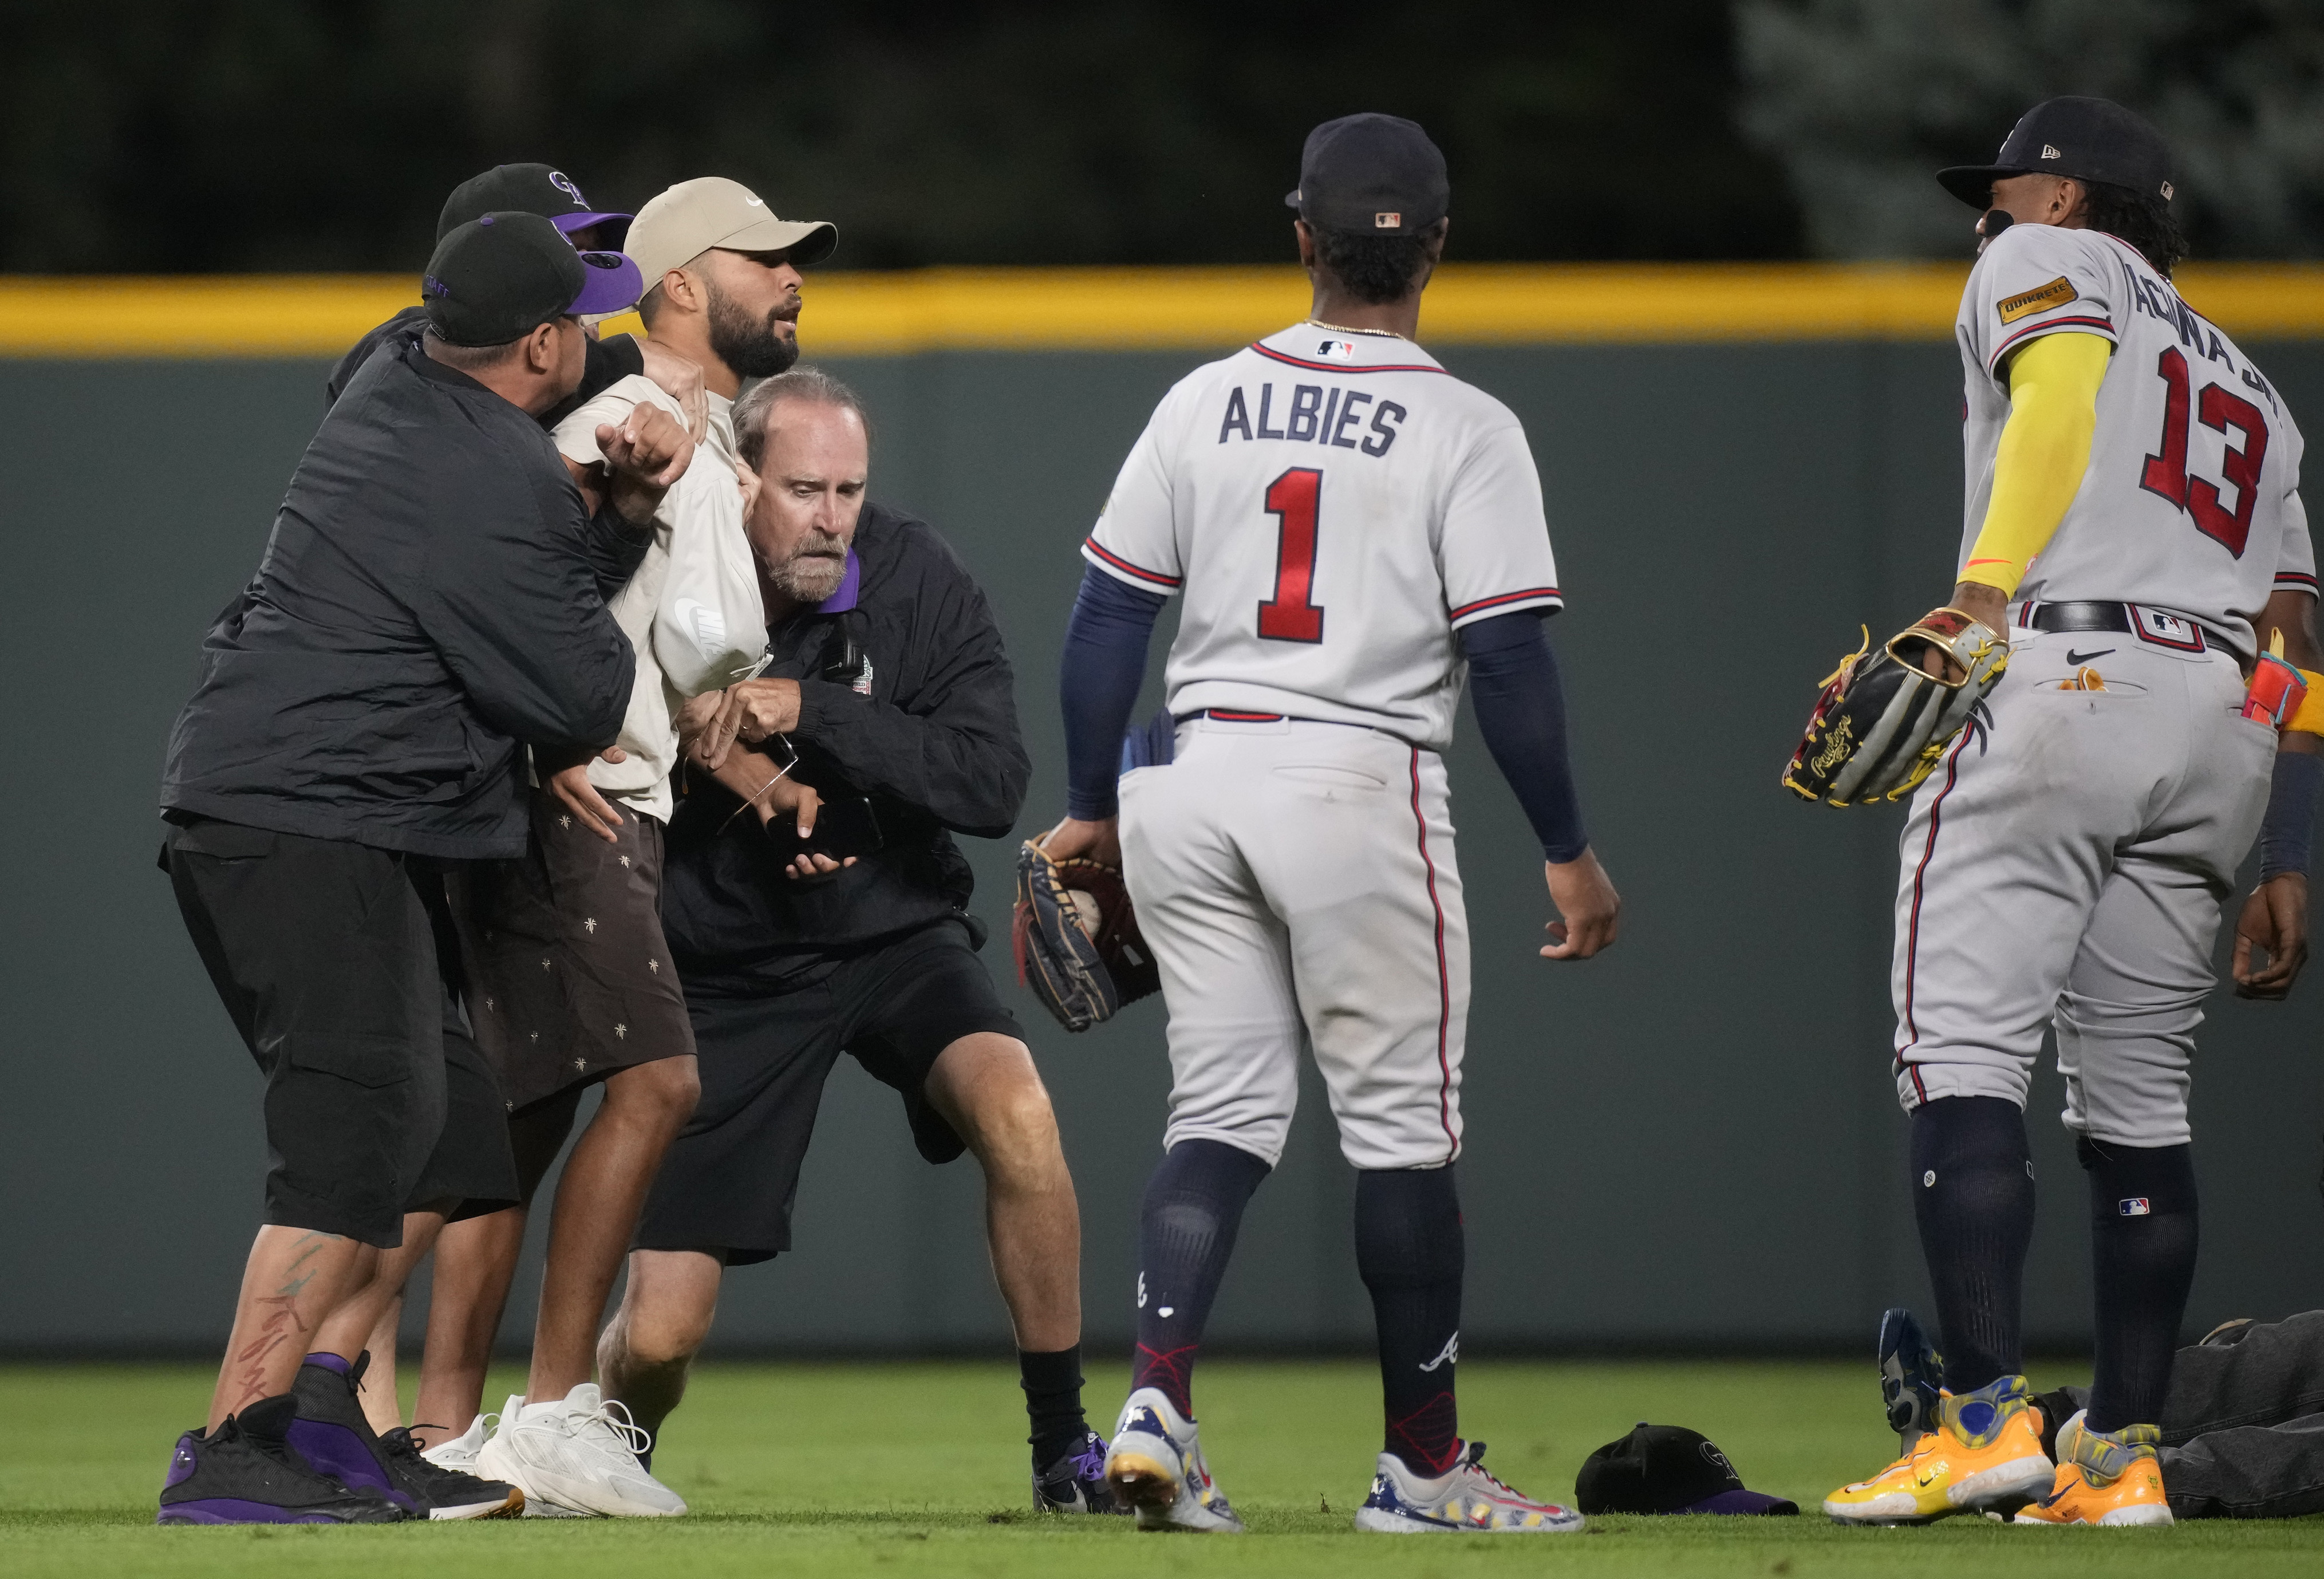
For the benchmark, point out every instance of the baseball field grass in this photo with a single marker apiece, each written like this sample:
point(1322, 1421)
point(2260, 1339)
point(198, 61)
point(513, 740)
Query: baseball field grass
point(902, 1470)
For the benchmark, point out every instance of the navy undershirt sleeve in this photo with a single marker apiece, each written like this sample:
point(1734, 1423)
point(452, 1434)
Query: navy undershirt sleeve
point(1103, 667)
point(1521, 713)
point(2285, 837)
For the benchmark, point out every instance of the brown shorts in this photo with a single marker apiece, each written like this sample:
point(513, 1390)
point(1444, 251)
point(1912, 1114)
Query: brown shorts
point(569, 977)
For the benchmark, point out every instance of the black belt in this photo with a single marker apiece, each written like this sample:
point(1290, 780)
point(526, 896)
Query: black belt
point(2157, 627)
point(1237, 716)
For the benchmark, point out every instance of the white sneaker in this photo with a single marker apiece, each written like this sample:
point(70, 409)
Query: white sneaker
point(536, 1505)
point(459, 1453)
point(580, 1454)
point(1155, 1464)
point(1467, 1498)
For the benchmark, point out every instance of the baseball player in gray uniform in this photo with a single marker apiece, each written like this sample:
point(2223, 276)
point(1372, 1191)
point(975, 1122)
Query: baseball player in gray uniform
point(1354, 530)
point(2132, 524)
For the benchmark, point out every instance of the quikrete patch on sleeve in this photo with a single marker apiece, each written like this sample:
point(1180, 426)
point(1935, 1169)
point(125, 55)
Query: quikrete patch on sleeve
point(2042, 299)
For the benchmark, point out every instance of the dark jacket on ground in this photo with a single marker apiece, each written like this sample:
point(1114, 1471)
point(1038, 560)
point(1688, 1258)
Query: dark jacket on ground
point(608, 361)
point(432, 597)
point(935, 746)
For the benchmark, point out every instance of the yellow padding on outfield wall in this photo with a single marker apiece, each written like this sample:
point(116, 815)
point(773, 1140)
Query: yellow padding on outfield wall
point(1102, 309)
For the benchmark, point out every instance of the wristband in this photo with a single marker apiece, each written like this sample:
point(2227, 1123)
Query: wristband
point(2290, 827)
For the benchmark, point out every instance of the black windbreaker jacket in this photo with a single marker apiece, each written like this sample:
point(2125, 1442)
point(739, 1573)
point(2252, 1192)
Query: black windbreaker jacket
point(432, 598)
point(933, 743)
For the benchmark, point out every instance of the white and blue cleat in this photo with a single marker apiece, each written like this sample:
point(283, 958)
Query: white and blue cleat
point(1154, 1465)
point(1466, 1500)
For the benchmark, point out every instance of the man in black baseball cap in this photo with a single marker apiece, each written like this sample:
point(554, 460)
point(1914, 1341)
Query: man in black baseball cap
point(2085, 162)
point(2084, 139)
point(536, 189)
point(504, 277)
point(549, 192)
point(1372, 175)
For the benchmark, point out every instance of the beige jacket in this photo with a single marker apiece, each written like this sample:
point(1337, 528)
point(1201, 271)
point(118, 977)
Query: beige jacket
point(692, 610)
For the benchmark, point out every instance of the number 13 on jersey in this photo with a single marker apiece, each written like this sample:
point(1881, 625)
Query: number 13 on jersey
point(1292, 614)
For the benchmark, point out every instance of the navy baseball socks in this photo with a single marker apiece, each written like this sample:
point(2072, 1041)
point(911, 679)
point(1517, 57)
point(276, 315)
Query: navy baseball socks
point(1185, 1234)
point(1186, 1229)
point(1973, 1197)
point(1411, 1251)
point(2142, 1240)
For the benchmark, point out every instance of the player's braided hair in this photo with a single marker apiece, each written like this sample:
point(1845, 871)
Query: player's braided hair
point(1378, 268)
point(811, 385)
point(2141, 218)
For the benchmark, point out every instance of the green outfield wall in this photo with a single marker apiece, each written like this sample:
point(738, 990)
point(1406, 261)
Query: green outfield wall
point(1691, 1142)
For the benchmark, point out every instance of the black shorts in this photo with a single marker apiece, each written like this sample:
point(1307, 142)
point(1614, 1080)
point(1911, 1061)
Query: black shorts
point(474, 1165)
point(569, 979)
point(324, 956)
point(766, 1045)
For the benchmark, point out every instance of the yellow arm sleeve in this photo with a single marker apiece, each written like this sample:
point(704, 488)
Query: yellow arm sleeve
point(2045, 447)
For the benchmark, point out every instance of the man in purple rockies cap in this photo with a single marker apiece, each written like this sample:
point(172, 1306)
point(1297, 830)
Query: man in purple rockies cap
point(430, 605)
point(527, 188)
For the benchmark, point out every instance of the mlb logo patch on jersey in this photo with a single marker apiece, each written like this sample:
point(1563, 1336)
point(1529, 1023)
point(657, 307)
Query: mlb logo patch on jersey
point(1336, 350)
point(2056, 293)
point(2135, 1206)
point(2161, 629)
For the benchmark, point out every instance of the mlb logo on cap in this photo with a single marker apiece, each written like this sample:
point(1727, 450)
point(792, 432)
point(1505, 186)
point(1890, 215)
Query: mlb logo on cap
point(2135, 1206)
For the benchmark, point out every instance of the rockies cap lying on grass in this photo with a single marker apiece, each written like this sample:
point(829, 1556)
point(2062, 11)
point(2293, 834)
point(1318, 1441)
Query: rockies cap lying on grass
point(690, 218)
point(499, 277)
point(1667, 1468)
point(1373, 174)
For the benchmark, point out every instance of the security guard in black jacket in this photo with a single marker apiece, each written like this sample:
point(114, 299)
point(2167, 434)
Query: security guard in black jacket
point(431, 599)
point(816, 905)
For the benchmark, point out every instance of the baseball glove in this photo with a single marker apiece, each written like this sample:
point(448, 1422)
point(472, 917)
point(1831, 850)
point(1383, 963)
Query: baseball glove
point(1884, 718)
point(1076, 938)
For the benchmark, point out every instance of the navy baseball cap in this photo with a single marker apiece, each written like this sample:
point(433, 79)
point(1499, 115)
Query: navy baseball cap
point(502, 276)
point(530, 189)
point(2086, 138)
point(1377, 175)
point(1667, 1468)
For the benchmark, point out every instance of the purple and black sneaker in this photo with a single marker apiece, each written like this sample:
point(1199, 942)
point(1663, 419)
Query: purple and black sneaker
point(332, 1434)
point(1076, 1483)
point(247, 1473)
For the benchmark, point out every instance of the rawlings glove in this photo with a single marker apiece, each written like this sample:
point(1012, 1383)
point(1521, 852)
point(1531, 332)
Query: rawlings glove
point(1884, 718)
point(1076, 938)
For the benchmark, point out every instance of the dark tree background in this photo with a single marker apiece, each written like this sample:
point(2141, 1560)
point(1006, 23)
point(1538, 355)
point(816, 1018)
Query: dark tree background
point(1862, 99)
point(175, 135)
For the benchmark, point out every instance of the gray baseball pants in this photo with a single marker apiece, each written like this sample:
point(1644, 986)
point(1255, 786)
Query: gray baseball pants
point(2063, 869)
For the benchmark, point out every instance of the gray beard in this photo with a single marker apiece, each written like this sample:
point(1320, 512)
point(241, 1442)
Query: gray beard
point(810, 577)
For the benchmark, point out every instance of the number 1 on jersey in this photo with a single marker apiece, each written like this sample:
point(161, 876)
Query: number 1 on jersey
point(1289, 616)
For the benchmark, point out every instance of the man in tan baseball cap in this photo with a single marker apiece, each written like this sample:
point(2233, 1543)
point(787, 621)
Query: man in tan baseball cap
point(721, 278)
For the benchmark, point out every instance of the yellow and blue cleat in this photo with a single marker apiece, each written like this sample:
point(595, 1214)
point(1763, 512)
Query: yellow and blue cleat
point(1982, 1451)
point(2104, 1477)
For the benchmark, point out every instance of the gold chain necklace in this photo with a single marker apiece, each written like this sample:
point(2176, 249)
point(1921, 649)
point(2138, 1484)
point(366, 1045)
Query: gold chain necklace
point(1345, 329)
